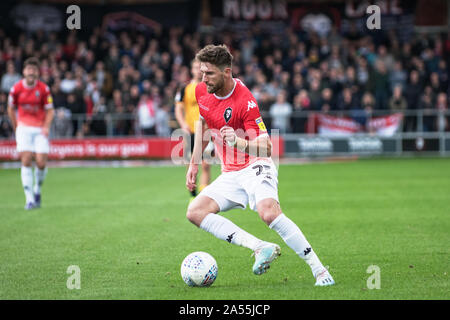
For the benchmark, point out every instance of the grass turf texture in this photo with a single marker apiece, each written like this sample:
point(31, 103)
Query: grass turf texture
point(126, 230)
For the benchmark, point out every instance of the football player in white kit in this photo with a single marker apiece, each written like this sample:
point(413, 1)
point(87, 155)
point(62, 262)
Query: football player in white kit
point(229, 111)
point(30, 109)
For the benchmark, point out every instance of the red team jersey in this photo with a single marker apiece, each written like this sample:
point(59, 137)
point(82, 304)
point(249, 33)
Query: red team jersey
point(238, 110)
point(31, 102)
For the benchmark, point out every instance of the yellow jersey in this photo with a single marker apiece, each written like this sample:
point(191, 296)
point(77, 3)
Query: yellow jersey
point(187, 95)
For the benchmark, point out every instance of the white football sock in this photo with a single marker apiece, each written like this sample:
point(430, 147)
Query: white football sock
point(26, 173)
point(294, 238)
point(39, 177)
point(225, 229)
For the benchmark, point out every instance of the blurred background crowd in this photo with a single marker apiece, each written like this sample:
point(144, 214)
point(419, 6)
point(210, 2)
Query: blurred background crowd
point(129, 79)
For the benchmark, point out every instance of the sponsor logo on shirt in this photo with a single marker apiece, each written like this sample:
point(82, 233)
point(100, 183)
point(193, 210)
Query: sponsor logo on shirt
point(251, 104)
point(203, 107)
point(260, 124)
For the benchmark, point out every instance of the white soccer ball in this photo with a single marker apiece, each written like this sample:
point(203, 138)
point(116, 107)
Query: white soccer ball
point(199, 269)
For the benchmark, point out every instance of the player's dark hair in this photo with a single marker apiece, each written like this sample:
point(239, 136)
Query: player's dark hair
point(219, 56)
point(33, 61)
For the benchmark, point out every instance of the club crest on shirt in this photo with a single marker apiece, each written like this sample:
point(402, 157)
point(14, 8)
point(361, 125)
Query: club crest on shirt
point(37, 94)
point(227, 114)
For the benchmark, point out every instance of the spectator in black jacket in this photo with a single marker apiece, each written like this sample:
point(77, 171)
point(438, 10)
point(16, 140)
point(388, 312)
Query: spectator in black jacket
point(412, 94)
point(346, 101)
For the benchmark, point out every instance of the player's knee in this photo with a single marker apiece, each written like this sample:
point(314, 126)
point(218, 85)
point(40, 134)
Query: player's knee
point(194, 214)
point(40, 164)
point(199, 208)
point(268, 216)
point(268, 210)
point(26, 160)
point(191, 214)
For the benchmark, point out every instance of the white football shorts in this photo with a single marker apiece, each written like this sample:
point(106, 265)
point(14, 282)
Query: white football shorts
point(250, 185)
point(31, 139)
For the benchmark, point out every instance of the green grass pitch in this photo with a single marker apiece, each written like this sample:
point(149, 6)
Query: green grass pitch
point(126, 230)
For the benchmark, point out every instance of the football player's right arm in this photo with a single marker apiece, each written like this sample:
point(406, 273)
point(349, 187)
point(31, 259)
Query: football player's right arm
point(12, 116)
point(12, 110)
point(200, 142)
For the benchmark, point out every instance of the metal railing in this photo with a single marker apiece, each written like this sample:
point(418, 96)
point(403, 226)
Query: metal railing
point(414, 121)
point(127, 124)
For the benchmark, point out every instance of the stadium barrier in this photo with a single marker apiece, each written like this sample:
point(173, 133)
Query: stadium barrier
point(288, 145)
point(115, 148)
point(330, 134)
point(304, 145)
point(99, 148)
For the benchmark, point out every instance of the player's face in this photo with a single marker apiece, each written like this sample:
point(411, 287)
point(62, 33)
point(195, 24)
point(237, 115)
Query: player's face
point(212, 76)
point(31, 74)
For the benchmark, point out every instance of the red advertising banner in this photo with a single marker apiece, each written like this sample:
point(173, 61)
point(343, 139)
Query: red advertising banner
point(335, 126)
point(386, 126)
point(117, 148)
point(103, 148)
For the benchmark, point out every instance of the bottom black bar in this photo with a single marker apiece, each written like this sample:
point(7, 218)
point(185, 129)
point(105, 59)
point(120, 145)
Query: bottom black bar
point(222, 309)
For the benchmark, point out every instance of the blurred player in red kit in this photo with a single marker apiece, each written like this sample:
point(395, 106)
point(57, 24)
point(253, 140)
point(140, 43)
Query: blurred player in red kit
point(230, 115)
point(32, 100)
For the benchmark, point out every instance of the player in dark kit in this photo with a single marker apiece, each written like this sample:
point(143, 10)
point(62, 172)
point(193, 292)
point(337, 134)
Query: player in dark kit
point(186, 113)
point(230, 115)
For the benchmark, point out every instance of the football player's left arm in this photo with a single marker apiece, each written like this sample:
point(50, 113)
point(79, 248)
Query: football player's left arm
point(49, 112)
point(260, 146)
point(49, 115)
point(259, 143)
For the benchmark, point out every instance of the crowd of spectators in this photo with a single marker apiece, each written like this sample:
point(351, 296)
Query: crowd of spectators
point(125, 83)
